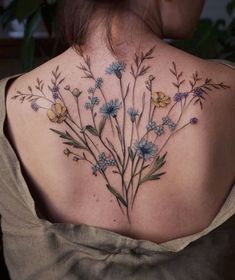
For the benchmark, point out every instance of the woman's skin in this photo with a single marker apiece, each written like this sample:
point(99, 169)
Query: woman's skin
point(200, 159)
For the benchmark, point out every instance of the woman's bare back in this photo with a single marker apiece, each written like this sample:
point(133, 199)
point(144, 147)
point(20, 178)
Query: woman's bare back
point(143, 147)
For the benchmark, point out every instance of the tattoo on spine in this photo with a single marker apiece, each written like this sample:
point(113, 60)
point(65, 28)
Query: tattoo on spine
point(139, 160)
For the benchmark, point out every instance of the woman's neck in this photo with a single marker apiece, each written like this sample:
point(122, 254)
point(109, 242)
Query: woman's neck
point(129, 33)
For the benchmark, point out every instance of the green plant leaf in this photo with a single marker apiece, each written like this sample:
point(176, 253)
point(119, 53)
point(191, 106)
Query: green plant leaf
point(75, 144)
point(117, 195)
point(92, 130)
point(71, 141)
point(159, 162)
point(152, 177)
point(102, 125)
point(131, 154)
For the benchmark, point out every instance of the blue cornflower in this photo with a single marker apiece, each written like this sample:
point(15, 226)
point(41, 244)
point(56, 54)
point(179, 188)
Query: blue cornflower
point(151, 126)
point(111, 108)
point(116, 68)
point(145, 149)
point(98, 83)
point(194, 120)
point(55, 92)
point(133, 113)
point(180, 96)
point(159, 130)
point(198, 92)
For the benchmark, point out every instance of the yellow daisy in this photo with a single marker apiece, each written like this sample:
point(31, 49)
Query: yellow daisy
point(160, 100)
point(57, 113)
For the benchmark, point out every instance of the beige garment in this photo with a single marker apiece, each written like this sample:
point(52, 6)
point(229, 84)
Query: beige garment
point(38, 249)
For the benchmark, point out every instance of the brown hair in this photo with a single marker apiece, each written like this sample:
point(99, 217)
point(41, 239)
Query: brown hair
point(77, 15)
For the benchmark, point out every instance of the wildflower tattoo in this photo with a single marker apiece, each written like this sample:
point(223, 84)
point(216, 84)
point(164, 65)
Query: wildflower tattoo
point(141, 158)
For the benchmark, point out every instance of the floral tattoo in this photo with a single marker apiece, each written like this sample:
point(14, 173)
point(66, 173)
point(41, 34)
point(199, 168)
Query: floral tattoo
point(139, 159)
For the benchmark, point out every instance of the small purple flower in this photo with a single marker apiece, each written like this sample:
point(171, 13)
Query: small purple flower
point(35, 106)
point(55, 92)
point(180, 96)
point(198, 92)
point(194, 120)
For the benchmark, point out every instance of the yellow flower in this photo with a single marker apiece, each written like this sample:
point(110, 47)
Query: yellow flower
point(160, 100)
point(57, 113)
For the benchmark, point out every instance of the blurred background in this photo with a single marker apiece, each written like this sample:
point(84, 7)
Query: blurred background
point(28, 31)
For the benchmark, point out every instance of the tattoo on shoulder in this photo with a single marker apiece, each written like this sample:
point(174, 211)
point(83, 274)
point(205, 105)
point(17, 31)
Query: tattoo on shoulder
point(139, 158)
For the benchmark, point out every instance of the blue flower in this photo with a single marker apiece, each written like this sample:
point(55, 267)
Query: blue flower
point(55, 92)
point(151, 126)
point(98, 83)
point(145, 149)
point(198, 92)
point(133, 113)
point(95, 100)
point(194, 120)
point(167, 121)
point(159, 130)
point(116, 68)
point(180, 96)
point(111, 108)
point(102, 164)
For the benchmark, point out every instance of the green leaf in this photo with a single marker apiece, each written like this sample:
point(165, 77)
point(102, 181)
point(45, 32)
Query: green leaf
point(152, 177)
point(71, 141)
point(159, 162)
point(119, 133)
point(92, 130)
point(102, 125)
point(131, 154)
point(117, 195)
point(76, 145)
